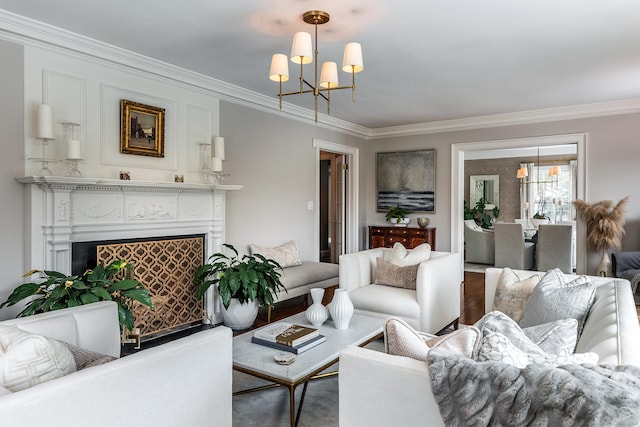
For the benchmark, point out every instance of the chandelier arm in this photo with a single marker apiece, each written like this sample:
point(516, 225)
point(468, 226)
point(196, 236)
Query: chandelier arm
point(301, 79)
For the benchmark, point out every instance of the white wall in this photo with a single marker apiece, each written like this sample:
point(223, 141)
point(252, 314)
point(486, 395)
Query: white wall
point(12, 224)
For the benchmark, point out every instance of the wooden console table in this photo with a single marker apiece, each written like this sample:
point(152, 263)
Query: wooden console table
point(410, 237)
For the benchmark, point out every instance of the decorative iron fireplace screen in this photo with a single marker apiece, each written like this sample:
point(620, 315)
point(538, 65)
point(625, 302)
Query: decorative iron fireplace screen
point(166, 267)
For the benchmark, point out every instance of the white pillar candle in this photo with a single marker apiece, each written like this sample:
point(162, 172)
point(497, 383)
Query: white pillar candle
point(216, 164)
point(74, 149)
point(218, 147)
point(45, 121)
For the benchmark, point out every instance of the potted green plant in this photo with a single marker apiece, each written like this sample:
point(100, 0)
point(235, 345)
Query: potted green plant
point(398, 215)
point(56, 290)
point(243, 284)
point(539, 218)
point(479, 214)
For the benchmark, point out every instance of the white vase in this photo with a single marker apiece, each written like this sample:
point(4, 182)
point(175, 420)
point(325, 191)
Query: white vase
point(317, 313)
point(341, 309)
point(239, 316)
point(605, 263)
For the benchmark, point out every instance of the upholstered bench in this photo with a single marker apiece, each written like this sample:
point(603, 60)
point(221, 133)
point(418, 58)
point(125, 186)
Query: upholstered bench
point(298, 277)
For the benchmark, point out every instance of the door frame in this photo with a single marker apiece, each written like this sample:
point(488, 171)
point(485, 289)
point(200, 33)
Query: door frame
point(457, 183)
point(351, 221)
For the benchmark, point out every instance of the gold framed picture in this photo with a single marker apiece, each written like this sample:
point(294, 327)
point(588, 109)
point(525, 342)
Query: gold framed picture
point(141, 129)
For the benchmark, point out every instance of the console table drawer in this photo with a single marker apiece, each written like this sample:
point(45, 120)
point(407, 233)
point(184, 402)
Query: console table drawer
point(410, 237)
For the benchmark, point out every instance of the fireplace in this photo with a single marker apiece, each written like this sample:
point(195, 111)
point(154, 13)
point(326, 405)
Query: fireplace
point(69, 214)
point(165, 265)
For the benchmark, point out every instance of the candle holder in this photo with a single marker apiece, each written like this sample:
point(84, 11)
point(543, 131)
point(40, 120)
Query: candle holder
point(74, 149)
point(205, 154)
point(73, 168)
point(45, 160)
point(217, 177)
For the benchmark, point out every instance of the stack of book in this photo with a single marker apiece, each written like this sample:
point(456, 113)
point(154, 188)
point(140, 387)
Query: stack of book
point(288, 337)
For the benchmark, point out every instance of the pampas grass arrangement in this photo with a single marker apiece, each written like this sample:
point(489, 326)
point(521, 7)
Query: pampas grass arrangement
point(605, 226)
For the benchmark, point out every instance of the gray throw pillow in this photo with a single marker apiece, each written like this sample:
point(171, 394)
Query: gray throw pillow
point(558, 337)
point(555, 298)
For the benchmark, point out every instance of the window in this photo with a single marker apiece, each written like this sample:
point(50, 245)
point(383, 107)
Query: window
point(552, 195)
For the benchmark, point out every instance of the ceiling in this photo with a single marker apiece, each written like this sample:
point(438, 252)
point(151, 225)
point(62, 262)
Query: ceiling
point(424, 60)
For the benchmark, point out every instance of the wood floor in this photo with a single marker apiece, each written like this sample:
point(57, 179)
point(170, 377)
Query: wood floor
point(471, 311)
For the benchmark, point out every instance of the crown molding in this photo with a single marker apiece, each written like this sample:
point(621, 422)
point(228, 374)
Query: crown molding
point(26, 31)
point(610, 108)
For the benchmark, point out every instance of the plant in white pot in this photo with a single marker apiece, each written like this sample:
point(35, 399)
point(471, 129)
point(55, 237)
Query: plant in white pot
point(398, 215)
point(243, 284)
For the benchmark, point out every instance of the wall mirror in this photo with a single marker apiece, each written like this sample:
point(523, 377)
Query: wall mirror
point(486, 187)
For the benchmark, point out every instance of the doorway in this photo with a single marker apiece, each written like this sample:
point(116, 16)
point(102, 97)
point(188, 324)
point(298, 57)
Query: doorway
point(460, 151)
point(333, 175)
point(345, 197)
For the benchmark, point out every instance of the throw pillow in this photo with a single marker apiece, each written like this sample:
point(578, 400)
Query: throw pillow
point(402, 257)
point(4, 391)
point(557, 337)
point(556, 298)
point(462, 341)
point(495, 347)
point(28, 359)
point(86, 358)
point(400, 339)
point(287, 255)
point(393, 275)
point(512, 293)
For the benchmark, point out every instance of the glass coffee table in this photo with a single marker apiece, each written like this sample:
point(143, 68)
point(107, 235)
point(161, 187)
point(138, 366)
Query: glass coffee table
point(257, 360)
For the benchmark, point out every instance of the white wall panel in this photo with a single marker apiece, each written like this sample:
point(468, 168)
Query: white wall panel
point(88, 91)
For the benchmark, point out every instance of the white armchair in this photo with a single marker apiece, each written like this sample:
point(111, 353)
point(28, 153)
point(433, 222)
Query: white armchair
point(432, 306)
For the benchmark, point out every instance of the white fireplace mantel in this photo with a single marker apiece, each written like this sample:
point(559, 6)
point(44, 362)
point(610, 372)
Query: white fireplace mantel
point(63, 210)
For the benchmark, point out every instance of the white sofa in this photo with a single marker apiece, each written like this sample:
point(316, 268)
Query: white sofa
point(185, 382)
point(377, 389)
point(434, 304)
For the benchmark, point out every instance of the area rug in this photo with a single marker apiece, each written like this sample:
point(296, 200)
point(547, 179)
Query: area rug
point(270, 408)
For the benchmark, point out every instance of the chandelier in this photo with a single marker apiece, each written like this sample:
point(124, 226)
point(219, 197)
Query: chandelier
point(302, 53)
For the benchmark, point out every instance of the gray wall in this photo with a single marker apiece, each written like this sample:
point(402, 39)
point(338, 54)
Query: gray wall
point(12, 224)
point(273, 157)
point(613, 149)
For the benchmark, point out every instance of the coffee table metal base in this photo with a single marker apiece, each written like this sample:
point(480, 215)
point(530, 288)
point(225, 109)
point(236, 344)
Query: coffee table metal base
point(291, 386)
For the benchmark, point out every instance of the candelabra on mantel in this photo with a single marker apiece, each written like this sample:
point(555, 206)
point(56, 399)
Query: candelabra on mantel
point(205, 155)
point(211, 157)
point(74, 149)
point(45, 134)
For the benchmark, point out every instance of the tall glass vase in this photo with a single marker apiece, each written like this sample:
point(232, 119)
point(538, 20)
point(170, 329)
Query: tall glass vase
point(317, 313)
point(341, 309)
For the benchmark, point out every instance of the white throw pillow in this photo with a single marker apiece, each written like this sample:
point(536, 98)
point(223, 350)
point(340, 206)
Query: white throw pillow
point(400, 339)
point(402, 257)
point(287, 255)
point(463, 341)
point(28, 359)
point(512, 293)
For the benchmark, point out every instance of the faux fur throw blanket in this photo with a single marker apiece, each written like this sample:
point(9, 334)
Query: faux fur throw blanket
point(471, 393)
